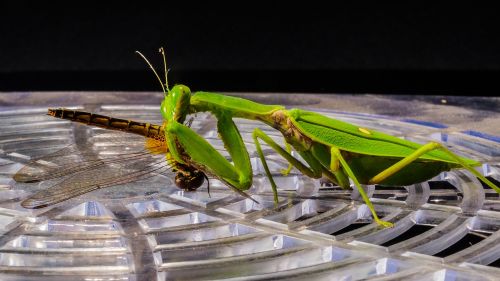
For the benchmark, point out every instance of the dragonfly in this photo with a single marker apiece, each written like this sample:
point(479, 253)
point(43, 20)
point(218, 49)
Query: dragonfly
point(79, 169)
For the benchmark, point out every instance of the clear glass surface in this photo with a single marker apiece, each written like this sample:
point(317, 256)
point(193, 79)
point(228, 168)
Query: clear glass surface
point(447, 228)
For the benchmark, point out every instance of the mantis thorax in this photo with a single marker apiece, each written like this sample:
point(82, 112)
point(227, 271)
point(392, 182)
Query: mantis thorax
point(282, 121)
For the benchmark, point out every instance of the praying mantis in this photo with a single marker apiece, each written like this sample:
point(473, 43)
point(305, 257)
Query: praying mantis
point(329, 148)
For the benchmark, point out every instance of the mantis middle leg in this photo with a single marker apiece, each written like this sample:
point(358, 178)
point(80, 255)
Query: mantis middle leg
point(287, 171)
point(314, 171)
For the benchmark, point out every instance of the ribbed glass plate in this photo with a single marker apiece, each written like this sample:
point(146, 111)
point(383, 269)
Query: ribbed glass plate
point(445, 229)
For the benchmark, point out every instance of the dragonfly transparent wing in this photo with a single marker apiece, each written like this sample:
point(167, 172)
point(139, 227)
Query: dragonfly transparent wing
point(64, 163)
point(115, 158)
point(83, 182)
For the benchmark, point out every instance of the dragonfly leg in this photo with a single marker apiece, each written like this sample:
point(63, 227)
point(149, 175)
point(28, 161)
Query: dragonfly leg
point(421, 151)
point(337, 157)
point(314, 171)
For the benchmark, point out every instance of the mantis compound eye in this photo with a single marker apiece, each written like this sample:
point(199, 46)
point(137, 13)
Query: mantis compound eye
point(189, 180)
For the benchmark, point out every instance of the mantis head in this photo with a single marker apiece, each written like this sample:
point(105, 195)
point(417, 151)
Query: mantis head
point(175, 105)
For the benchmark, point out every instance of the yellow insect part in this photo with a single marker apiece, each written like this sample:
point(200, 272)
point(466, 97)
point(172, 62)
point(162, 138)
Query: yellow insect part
point(365, 131)
point(155, 146)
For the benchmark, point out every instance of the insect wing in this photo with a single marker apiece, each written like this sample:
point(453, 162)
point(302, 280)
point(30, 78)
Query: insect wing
point(352, 138)
point(79, 158)
point(83, 169)
point(84, 182)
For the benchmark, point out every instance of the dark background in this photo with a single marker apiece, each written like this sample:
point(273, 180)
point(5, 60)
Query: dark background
point(412, 49)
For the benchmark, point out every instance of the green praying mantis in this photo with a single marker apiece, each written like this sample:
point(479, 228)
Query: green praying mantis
point(329, 148)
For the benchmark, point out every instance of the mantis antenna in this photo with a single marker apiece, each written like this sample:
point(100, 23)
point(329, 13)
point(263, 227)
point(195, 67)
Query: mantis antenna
point(154, 71)
point(162, 51)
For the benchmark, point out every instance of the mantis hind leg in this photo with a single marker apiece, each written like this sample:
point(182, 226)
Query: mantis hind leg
point(336, 159)
point(314, 171)
point(419, 152)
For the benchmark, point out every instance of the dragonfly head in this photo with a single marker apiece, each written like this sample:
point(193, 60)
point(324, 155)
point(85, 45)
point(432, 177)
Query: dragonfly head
point(189, 179)
point(175, 105)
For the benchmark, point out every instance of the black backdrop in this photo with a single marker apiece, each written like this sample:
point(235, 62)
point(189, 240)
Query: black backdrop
point(273, 48)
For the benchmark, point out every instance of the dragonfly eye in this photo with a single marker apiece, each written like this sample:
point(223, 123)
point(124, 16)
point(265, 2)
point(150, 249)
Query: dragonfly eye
point(189, 180)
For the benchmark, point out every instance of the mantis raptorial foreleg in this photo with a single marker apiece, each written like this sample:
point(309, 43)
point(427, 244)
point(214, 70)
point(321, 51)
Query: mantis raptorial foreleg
point(202, 153)
point(336, 156)
point(313, 171)
point(421, 151)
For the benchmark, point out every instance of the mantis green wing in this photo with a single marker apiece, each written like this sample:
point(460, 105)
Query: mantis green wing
point(349, 137)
